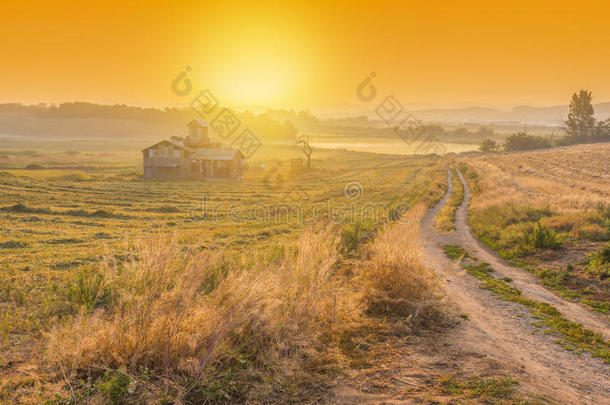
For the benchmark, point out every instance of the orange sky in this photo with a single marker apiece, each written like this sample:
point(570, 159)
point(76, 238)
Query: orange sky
point(305, 54)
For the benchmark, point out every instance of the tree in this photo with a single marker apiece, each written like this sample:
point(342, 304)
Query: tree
point(484, 131)
point(581, 122)
point(489, 145)
point(306, 149)
point(602, 130)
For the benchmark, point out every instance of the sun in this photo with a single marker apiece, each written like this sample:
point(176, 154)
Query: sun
point(261, 60)
point(257, 83)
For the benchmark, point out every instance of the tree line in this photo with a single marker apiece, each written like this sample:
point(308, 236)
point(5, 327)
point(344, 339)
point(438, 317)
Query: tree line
point(262, 125)
point(580, 127)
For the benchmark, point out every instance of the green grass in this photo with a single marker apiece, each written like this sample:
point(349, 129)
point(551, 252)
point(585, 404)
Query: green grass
point(455, 252)
point(487, 390)
point(445, 220)
point(572, 335)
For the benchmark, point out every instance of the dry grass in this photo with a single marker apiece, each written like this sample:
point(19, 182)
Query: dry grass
point(570, 178)
point(195, 315)
point(397, 281)
point(200, 318)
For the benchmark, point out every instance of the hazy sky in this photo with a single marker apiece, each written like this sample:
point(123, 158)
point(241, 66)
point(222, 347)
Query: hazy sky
point(305, 54)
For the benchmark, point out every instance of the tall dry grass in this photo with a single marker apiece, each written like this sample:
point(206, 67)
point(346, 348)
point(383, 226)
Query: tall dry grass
point(197, 314)
point(396, 280)
point(197, 318)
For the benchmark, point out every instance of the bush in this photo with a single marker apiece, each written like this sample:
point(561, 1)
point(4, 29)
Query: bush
point(114, 386)
point(544, 238)
point(489, 145)
point(21, 208)
point(522, 141)
point(599, 263)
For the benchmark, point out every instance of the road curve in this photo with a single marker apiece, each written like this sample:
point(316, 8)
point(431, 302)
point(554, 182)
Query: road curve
point(502, 331)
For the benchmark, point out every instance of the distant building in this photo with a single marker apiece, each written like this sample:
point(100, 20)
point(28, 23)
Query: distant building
point(296, 165)
point(193, 157)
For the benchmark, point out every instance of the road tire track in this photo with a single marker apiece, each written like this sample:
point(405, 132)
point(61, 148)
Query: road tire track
point(503, 331)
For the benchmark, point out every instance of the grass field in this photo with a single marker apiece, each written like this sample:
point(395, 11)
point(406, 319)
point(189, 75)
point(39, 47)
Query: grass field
point(83, 233)
point(548, 212)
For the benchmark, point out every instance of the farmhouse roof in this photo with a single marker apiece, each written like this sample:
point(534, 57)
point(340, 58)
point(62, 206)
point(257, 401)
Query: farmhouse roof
point(216, 154)
point(199, 122)
point(174, 142)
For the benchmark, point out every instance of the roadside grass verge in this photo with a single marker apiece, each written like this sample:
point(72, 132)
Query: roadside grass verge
point(445, 220)
point(571, 335)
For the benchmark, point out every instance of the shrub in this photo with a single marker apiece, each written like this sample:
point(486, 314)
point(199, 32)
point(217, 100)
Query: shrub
point(21, 208)
point(593, 232)
point(522, 141)
point(603, 210)
point(164, 209)
point(75, 177)
point(599, 263)
point(489, 145)
point(508, 228)
point(544, 238)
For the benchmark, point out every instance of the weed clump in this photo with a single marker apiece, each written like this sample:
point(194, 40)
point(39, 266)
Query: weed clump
point(544, 238)
point(598, 263)
point(354, 235)
point(475, 387)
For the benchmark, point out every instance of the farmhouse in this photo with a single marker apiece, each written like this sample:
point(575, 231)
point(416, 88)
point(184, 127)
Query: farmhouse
point(194, 157)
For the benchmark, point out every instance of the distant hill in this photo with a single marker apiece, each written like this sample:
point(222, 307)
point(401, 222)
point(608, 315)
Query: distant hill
point(519, 115)
point(552, 115)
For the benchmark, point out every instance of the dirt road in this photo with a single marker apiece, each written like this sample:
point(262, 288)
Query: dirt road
point(502, 332)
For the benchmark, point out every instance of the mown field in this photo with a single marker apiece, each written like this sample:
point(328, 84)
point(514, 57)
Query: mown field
point(104, 274)
point(548, 212)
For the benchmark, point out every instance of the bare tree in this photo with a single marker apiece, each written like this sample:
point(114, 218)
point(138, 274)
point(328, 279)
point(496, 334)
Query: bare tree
point(306, 149)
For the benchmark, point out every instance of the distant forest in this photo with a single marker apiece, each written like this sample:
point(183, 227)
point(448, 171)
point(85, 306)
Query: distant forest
point(119, 120)
point(175, 118)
